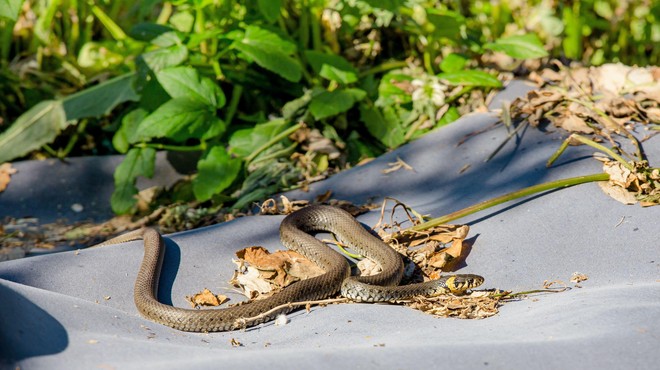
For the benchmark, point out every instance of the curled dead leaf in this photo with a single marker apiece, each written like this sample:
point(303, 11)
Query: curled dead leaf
point(6, 170)
point(206, 298)
point(266, 272)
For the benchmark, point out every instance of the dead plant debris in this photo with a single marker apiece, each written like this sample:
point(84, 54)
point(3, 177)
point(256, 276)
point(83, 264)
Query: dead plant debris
point(6, 170)
point(206, 298)
point(601, 105)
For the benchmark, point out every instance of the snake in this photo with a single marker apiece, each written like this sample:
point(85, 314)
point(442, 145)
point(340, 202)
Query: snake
point(295, 234)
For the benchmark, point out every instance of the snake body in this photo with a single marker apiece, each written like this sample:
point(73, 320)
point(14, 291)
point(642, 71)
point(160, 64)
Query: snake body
point(294, 234)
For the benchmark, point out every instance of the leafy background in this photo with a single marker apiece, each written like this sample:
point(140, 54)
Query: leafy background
point(266, 95)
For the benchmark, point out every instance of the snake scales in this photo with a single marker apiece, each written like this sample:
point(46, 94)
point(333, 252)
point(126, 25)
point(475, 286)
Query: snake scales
point(294, 235)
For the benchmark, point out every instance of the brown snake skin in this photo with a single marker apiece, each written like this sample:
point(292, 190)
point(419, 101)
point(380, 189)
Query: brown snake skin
point(294, 235)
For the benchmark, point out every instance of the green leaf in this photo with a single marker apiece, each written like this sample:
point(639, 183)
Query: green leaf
point(138, 162)
point(179, 119)
point(167, 39)
point(180, 82)
point(334, 74)
point(471, 78)
point(330, 103)
point(165, 57)
point(217, 170)
point(391, 91)
point(244, 142)
point(100, 99)
point(572, 42)
point(317, 60)
point(270, 9)
point(450, 116)
point(38, 126)
point(148, 31)
point(453, 63)
point(526, 46)
point(10, 8)
point(293, 106)
point(270, 51)
point(445, 23)
point(387, 130)
point(126, 133)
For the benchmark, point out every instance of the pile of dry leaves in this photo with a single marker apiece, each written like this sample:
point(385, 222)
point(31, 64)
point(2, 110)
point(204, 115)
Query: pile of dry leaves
point(605, 104)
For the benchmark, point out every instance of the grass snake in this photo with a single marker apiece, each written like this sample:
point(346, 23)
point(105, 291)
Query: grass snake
point(294, 234)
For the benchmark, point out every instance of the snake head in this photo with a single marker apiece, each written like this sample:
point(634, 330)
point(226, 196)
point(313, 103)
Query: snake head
point(458, 284)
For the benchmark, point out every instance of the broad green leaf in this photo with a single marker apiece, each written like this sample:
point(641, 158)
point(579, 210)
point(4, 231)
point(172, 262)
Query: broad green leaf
point(126, 133)
point(244, 142)
point(274, 61)
point(148, 31)
point(10, 8)
point(38, 126)
point(217, 170)
point(337, 75)
point(138, 162)
point(453, 63)
point(386, 129)
point(270, 51)
point(167, 39)
point(178, 119)
point(445, 23)
point(100, 99)
point(267, 40)
point(183, 20)
point(165, 57)
point(470, 78)
point(270, 9)
point(330, 103)
point(180, 82)
point(526, 46)
point(317, 60)
point(394, 88)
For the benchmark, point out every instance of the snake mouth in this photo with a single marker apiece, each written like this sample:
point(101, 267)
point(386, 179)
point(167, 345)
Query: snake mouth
point(458, 284)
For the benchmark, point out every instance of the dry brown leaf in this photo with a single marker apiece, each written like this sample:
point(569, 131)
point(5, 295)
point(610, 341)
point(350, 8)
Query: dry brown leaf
point(206, 298)
point(618, 193)
point(578, 277)
point(368, 267)
point(573, 123)
point(6, 170)
point(252, 283)
point(263, 272)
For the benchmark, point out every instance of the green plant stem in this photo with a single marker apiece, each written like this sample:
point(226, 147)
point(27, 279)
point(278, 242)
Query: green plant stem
point(383, 67)
point(6, 35)
point(115, 31)
point(273, 141)
point(592, 144)
point(280, 153)
point(511, 196)
point(176, 148)
point(233, 103)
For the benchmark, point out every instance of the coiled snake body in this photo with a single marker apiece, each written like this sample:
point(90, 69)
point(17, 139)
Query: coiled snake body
point(294, 235)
